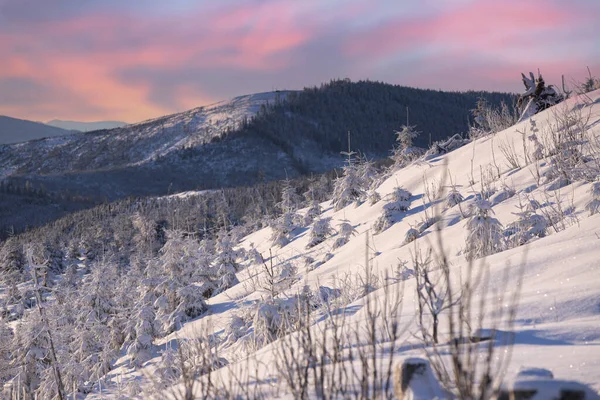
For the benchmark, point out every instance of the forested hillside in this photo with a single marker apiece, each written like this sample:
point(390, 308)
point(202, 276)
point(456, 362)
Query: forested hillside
point(247, 140)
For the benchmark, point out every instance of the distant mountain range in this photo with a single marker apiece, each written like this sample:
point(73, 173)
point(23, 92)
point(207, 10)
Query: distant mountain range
point(85, 126)
point(248, 139)
point(13, 130)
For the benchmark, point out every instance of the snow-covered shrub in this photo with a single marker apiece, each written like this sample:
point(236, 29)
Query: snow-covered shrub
point(254, 255)
point(484, 232)
point(427, 223)
point(345, 231)
point(169, 368)
point(593, 206)
point(453, 198)
point(414, 379)
point(282, 229)
point(308, 262)
point(399, 202)
point(488, 120)
point(528, 226)
point(590, 84)
point(287, 275)
point(402, 272)
point(538, 148)
point(373, 196)
point(276, 317)
point(320, 230)
point(411, 235)
point(236, 328)
point(444, 146)
point(533, 205)
point(313, 212)
point(191, 303)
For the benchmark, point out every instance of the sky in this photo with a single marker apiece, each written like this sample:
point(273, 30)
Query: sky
point(133, 60)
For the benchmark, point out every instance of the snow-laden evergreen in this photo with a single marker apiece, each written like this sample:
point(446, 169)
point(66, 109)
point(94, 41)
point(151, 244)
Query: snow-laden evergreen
point(320, 230)
point(399, 201)
point(484, 232)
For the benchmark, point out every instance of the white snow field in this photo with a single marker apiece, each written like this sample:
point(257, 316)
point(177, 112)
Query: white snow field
point(557, 321)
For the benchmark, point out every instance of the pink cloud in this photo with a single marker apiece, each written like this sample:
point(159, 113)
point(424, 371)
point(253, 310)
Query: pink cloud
point(485, 25)
point(481, 44)
point(250, 37)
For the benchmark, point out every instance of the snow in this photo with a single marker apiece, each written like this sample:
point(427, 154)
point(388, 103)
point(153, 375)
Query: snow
point(556, 326)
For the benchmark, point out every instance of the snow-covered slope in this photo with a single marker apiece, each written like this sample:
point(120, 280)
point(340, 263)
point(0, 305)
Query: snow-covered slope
point(557, 324)
point(184, 151)
point(133, 144)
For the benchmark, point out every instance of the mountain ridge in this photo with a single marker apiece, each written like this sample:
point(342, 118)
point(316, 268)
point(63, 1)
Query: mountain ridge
point(85, 126)
point(16, 130)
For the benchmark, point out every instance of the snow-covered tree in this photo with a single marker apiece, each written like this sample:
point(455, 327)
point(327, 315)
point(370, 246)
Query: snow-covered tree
point(404, 152)
point(320, 230)
point(348, 188)
point(370, 180)
point(399, 201)
point(289, 198)
point(169, 368)
point(345, 232)
point(226, 262)
point(283, 226)
point(527, 226)
point(182, 261)
point(282, 229)
point(140, 349)
point(191, 304)
point(484, 232)
point(12, 261)
point(314, 207)
point(453, 198)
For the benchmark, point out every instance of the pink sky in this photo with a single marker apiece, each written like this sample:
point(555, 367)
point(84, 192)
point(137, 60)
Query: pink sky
point(88, 61)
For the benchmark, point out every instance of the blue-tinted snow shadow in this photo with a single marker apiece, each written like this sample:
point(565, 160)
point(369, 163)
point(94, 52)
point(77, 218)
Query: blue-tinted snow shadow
point(535, 337)
point(220, 308)
point(345, 311)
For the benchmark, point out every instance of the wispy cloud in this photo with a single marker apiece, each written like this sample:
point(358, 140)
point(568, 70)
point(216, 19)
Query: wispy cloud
point(95, 60)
